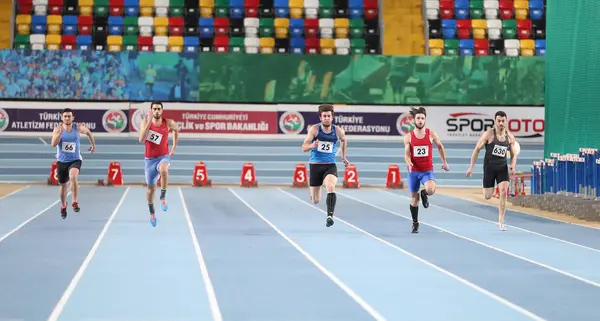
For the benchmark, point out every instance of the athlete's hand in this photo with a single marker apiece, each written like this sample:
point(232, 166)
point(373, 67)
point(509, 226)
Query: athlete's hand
point(346, 161)
point(512, 170)
point(445, 167)
point(92, 149)
point(149, 115)
point(469, 172)
point(172, 152)
point(58, 129)
point(410, 167)
point(315, 144)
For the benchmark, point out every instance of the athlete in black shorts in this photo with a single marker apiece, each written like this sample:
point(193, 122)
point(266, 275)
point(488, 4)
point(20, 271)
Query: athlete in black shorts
point(321, 141)
point(497, 142)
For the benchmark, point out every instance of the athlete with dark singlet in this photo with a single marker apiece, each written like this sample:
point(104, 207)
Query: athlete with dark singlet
point(321, 141)
point(154, 134)
point(66, 138)
point(418, 155)
point(497, 142)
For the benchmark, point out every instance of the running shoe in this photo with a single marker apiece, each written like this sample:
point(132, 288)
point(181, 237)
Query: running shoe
point(63, 212)
point(164, 205)
point(153, 220)
point(425, 198)
point(76, 206)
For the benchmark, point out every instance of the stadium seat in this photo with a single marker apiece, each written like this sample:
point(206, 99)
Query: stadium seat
point(326, 27)
point(489, 24)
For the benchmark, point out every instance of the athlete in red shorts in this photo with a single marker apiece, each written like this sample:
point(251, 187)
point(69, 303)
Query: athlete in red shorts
point(418, 150)
point(154, 134)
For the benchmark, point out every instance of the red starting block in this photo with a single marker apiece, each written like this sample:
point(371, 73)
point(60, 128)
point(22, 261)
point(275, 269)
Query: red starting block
point(300, 176)
point(200, 175)
point(394, 180)
point(351, 177)
point(53, 178)
point(115, 174)
point(248, 178)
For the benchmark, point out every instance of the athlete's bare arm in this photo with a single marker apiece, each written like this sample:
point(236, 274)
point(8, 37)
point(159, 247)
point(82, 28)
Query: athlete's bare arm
point(440, 146)
point(480, 144)
point(513, 156)
point(144, 128)
point(86, 131)
point(56, 135)
point(407, 151)
point(308, 144)
point(173, 128)
point(341, 133)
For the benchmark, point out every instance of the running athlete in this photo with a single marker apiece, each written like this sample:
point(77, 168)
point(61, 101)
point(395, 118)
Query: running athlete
point(321, 141)
point(154, 134)
point(67, 141)
point(497, 141)
point(418, 150)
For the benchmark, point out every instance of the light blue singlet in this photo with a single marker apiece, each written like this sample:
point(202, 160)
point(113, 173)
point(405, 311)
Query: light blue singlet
point(325, 152)
point(67, 149)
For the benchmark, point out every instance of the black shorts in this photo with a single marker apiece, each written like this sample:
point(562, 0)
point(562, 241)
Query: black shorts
point(494, 174)
point(318, 172)
point(62, 170)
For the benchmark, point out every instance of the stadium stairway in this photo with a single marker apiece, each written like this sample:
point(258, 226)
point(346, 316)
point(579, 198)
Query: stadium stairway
point(403, 27)
point(5, 15)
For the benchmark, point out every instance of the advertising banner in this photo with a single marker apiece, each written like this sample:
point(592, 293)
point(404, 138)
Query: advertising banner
point(354, 123)
point(451, 124)
point(26, 120)
point(196, 121)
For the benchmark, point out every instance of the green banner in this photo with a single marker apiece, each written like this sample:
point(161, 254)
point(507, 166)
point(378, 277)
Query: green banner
point(371, 79)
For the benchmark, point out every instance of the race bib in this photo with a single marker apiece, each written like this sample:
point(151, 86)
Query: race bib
point(325, 147)
point(420, 151)
point(499, 150)
point(154, 137)
point(68, 147)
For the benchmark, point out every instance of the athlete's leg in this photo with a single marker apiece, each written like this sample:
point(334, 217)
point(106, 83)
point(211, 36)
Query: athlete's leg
point(163, 169)
point(503, 181)
point(428, 180)
point(62, 176)
point(74, 178)
point(315, 181)
point(413, 185)
point(330, 182)
point(489, 180)
point(151, 179)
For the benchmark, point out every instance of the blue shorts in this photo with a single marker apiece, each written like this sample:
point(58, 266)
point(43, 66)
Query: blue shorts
point(152, 167)
point(415, 179)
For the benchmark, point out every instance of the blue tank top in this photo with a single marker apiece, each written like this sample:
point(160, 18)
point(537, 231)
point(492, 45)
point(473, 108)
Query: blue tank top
point(325, 152)
point(67, 149)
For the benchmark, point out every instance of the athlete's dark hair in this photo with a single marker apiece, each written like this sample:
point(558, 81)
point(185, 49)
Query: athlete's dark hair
point(67, 110)
point(157, 103)
point(500, 113)
point(417, 110)
point(325, 108)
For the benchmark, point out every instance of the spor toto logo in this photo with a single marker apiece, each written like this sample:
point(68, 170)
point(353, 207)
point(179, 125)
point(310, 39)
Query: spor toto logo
point(473, 124)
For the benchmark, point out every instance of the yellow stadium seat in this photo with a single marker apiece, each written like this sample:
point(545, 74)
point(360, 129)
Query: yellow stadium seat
point(54, 24)
point(207, 3)
point(341, 26)
point(176, 44)
point(327, 46)
point(296, 9)
point(527, 47)
point(114, 43)
point(146, 8)
point(206, 12)
point(53, 42)
point(86, 3)
point(24, 24)
point(479, 27)
point(85, 11)
point(521, 9)
point(161, 26)
point(282, 26)
point(266, 45)
point(436, 43)
point(436, 52)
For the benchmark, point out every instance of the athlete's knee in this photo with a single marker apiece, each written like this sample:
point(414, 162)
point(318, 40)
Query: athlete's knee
point(164, 169)
point(330, 182)
point(488, 192)
point(430, 187)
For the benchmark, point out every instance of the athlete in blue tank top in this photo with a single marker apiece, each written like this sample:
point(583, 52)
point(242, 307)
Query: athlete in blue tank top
point(321, 141)
point(66, 139)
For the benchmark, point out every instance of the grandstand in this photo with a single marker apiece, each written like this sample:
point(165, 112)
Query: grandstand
point(486, 27)
point(250, 26)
